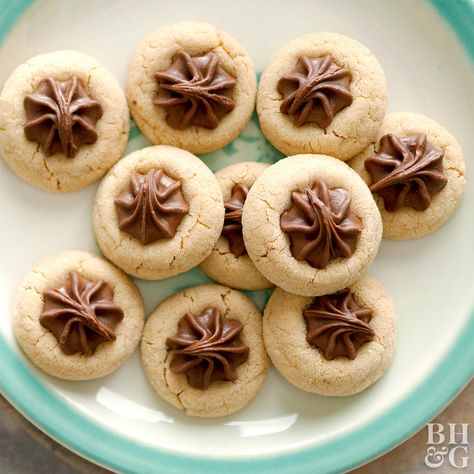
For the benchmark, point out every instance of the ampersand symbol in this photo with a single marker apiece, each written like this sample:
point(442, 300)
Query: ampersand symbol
point(435, 458)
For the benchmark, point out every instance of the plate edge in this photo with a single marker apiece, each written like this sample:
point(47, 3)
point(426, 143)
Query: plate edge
point(460, 17)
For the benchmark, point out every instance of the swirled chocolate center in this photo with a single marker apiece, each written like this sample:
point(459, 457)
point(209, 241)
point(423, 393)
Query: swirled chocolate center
point(207, 347)
point(61, 116)
point(195, 90)
point(337, 325)
point(232, 229)
point(152, 207)
point(321, 225)
point(81, 314)
point(316, 91)
point(406, 171)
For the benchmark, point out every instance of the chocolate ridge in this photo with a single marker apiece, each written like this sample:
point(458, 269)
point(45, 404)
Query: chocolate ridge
point(61, 116)
point(152, 207)
point(321, 225)
point(337, 325)
point(315, 91)
point(81, 314)
point(195, 90)
point(207, 348)
point(406, 171)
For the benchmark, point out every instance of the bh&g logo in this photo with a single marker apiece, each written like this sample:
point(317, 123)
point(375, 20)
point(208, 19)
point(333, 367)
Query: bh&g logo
point(450, 445)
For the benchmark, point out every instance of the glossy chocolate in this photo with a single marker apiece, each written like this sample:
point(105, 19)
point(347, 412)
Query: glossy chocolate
point(81, 314)
point(207, 348)
point(61, 116)
point(152, 207)
point(316, 91)
point(337, 325)
point(321, 225)
point(195, 90)
point(232, 229)
point(406, 171)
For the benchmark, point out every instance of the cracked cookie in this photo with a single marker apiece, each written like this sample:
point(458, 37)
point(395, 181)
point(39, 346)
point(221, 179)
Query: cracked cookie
point(192, 86)
point(63, 121)
point(77, 317)
point(158, 212)
point(335, 345)
point(322, 93)
point(415, 169)
point(228, 262)
point(310, 225)
point(203, 352)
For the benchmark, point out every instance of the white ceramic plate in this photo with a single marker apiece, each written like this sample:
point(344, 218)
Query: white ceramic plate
point(119, 421)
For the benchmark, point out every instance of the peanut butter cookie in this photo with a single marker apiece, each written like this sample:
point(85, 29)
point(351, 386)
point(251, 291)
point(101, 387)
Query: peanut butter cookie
point(322, 93)
point(228, 262)
point(336, 344)
point(310, 225)
point(77, 317)
point(158, 212)
point(192, 86)
point(416, 172)
point(63, 121)
point(202, 350)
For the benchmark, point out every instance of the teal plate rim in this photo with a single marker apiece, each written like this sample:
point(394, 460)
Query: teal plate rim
point(120, 453)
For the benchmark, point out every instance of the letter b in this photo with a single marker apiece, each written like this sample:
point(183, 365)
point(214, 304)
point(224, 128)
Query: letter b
point(435, 429)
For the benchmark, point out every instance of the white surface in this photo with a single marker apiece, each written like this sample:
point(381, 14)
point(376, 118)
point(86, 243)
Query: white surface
point(431, 279)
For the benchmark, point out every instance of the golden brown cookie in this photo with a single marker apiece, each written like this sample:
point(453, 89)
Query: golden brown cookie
point(352, 336)
point(77, 317)
point(192, 86)
point(322, 93)
point(424, 152)
point(158, 212)
point(310, 225)
point(63, 121)
point(199, 319)
point(228, 262)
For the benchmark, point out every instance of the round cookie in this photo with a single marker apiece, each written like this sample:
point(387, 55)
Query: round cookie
point(198, 228)
point(232, 267)
point(221, 397)
point(32, 161)
point(353, 127)
point(269, 247)
point(303, 364)
point(156, 54)
point(406, 222)
point(41, 345)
